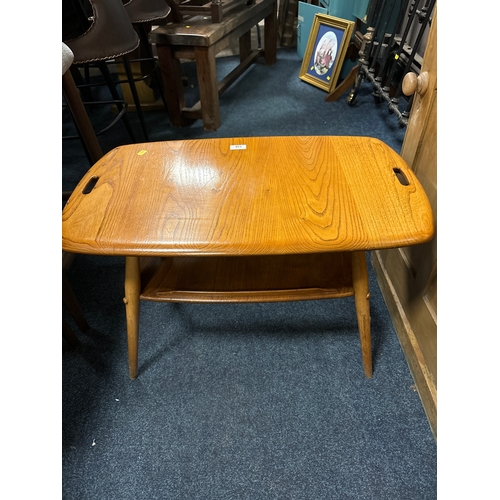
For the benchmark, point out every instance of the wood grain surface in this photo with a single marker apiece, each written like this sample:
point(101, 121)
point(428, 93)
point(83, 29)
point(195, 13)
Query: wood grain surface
point(247, 196)
point(258, 278)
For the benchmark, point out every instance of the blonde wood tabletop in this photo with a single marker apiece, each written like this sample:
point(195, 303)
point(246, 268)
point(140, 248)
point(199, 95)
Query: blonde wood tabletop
point(247, 196)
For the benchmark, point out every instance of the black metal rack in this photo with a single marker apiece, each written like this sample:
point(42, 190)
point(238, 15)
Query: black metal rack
point(386, 57)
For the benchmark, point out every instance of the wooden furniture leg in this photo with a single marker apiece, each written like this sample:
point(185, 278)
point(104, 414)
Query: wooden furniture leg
point(77, 108)
point(362, 302)
point(245, 44)
point(131, 300)
point(270, 36)
point(208, 86)
point(71, 303)
point(171, 74)
point(345, 85)
point(69, 335)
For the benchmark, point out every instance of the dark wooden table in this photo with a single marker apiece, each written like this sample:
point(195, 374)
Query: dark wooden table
point(200, 40)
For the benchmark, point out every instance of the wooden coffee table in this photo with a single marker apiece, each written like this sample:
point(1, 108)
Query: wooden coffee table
point(255, 219)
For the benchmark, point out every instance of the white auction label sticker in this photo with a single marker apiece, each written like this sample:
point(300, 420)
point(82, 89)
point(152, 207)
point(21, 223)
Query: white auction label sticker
point(238, 146)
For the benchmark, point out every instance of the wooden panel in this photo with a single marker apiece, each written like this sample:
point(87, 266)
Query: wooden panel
point(416, 311)
point(424, 381)
point(408, 276)
point(250, 279)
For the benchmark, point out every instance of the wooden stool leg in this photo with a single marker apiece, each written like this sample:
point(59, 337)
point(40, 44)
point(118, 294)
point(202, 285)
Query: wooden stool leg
point(362, 302)
point(207, 83)
point(245, 43)
point(171, 73)
point(132, 293)
point(82, 121)
point(270, 36)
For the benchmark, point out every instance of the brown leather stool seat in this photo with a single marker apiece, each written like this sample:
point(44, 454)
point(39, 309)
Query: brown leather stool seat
point(146, 11)
point(110, 36)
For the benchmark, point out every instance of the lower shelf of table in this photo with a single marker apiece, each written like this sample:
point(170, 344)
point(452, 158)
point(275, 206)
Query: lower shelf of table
point(277, 278)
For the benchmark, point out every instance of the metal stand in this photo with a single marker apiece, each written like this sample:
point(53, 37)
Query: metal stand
point(384, 55)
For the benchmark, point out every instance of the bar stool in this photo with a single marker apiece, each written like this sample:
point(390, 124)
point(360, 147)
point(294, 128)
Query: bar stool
point(110, 36)
point(142, 14)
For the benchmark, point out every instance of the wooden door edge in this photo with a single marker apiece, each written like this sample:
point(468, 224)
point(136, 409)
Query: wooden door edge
point(424, 381)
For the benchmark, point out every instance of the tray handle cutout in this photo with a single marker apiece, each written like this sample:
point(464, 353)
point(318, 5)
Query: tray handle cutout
point(401, 176)
point(90, 185)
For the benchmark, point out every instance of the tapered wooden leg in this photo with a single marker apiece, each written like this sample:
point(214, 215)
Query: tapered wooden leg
point(132, 293)
point(362, 302)
point(82, 121)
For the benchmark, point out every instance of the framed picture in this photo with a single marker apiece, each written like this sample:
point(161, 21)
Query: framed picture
point(325, 51)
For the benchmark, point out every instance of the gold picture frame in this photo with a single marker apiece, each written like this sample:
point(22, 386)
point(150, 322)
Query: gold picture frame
point(325, 51)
